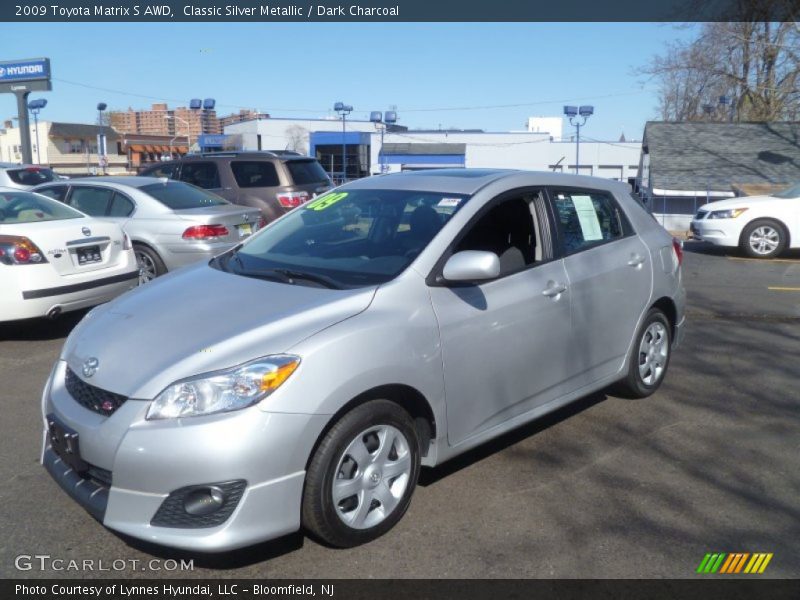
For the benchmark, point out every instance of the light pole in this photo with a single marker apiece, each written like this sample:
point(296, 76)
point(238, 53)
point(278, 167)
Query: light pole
point(188, 137)
point(573, 112)
point(35, 106)
point(382, 121)
point(101, 147)
point(202, 106)
point(344, 110)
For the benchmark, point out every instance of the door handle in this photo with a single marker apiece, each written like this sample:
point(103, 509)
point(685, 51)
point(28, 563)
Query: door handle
point(636, 260)
point(553, 289)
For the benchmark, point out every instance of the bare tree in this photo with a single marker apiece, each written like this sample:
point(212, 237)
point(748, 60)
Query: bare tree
point(754, 64)
point(296, 137)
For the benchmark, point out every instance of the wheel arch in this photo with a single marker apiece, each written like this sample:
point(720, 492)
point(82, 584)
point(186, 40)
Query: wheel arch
point(406, 396)
point(783, 225)
point(667, 305)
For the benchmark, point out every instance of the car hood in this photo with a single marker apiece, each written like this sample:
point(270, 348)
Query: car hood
point(196, 320)
point(742, 202)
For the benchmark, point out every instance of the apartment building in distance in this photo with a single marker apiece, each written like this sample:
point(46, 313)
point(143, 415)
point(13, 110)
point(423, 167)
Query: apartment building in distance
point(245, 114)
point(165, 121)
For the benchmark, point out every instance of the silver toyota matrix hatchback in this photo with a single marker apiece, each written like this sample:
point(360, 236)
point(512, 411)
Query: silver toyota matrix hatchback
point(301, 378)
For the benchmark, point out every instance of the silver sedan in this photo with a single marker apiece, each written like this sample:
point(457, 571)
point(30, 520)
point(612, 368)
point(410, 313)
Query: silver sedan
point(392, 323)
point(170, 223)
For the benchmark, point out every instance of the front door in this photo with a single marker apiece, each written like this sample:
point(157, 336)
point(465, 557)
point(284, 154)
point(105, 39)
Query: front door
point(505, 342)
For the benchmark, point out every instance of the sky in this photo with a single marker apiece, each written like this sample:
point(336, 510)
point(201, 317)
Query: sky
point(489, 76)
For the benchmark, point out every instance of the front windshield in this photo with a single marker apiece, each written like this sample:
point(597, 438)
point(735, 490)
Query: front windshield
point(348, 238)
point(790, 192)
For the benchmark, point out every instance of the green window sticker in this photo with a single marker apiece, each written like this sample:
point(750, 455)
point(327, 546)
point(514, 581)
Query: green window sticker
point(326, 201)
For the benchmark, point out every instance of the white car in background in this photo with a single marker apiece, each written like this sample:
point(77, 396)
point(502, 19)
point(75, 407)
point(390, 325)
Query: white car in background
point(55, 259)
point(762, 226)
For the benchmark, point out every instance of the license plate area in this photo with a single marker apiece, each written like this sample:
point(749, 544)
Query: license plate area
point(245, 229)
point(88, 255)
point(64, 442)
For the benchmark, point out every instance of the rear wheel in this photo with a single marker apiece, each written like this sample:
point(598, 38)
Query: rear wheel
point(649, 357)
point(360, 481)
point(764, 238)
point(149, 263)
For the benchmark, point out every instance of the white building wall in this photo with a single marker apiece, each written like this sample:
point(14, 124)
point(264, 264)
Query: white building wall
point(10, 144)
point(504, 150)
point(550, 125)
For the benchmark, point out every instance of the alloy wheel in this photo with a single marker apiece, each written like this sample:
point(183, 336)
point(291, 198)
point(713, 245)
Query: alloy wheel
point(764, 239)
point(147, 268)
point(653, 353)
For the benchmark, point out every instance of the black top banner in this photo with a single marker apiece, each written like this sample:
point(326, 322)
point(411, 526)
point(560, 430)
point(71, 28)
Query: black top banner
point(400, 10)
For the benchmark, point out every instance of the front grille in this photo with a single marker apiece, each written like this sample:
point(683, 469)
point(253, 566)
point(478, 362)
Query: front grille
point(91, 397)
point(172, 514)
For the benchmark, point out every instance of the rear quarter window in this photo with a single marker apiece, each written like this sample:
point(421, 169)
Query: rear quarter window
point(306, 171)
point(26, 207)
point(252, 173)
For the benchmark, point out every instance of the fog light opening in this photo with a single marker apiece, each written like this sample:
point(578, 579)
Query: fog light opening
point(204, 501)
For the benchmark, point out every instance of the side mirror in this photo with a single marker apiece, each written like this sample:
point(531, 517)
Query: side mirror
point(471, 265)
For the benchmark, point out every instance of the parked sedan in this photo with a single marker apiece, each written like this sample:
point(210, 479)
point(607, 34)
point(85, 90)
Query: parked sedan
point(170, 223)
point(24, 177)
point(394, 322)
point(761, 226)
point(54, 259)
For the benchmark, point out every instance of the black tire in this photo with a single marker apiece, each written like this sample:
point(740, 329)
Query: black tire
point(149, 263)
point(769, 244)
point(636, 384)
point(325, 518)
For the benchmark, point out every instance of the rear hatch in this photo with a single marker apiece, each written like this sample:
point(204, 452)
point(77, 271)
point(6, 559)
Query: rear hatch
point(29, 177)
point(307, 175)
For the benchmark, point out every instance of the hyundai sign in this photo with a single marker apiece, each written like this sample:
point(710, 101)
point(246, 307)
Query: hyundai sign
point(24, 70)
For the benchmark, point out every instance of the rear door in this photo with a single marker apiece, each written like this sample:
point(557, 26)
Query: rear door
point(610, 274)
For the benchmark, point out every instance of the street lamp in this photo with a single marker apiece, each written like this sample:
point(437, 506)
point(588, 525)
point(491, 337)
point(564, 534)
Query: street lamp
point(343, 110)
point(101, 147)
point(35, 106)
point(572, 112)
point(382, 121)
point(202, 106)
point(188, 137)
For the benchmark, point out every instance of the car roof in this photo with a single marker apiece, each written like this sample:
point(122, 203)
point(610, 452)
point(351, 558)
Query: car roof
point(136, 181)
point(267, 154)
point(469, 181)
point(8, 165)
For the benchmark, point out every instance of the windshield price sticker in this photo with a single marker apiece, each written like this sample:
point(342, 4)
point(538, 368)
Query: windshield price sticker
point(326, 201)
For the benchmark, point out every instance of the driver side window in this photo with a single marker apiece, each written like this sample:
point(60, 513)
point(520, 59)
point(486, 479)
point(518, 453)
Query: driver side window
point(510, 230)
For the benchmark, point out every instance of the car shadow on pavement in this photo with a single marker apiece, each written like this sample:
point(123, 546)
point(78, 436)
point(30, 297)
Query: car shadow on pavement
point(430, 476)
point(233, 559)
point(40, 329)
point(698, 247)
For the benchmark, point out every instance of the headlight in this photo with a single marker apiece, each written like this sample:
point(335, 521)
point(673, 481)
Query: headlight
point(731, 213)
point(224, 391)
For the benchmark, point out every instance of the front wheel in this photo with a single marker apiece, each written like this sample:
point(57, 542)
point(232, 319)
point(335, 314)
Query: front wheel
point(649, 357)
point(361, 478)
point(763, 239)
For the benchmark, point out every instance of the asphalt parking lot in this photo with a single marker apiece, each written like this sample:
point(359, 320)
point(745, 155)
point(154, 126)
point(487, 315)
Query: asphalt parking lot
point(606, 488)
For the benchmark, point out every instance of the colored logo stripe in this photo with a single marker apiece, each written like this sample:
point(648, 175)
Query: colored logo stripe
point(734, 562)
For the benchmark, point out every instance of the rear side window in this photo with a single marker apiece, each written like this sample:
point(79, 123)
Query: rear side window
point(306, 171)
point(91, 200)
point(30, 175)
point(201, 174)
point(58, 192)
point(586, 219)
point(251, 173)
point(26, 207)
point(179, 196)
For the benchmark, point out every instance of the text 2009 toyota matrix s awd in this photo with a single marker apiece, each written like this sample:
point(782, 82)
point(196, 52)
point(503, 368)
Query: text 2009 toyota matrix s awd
point(301, 378)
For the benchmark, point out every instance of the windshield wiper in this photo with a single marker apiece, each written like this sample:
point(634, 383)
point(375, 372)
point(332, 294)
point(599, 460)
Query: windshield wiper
point(320, 279)
point(285, 275)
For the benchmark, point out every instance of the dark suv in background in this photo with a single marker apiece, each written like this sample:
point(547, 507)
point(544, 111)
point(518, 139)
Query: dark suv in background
point(274, 181)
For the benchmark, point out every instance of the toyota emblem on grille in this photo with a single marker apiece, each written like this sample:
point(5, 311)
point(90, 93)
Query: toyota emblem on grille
point(86, 231)
point(246, 218)
point(90, 366)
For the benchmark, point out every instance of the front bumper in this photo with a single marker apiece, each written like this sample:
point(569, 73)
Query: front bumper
point(720, 232)
point(148, 460)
